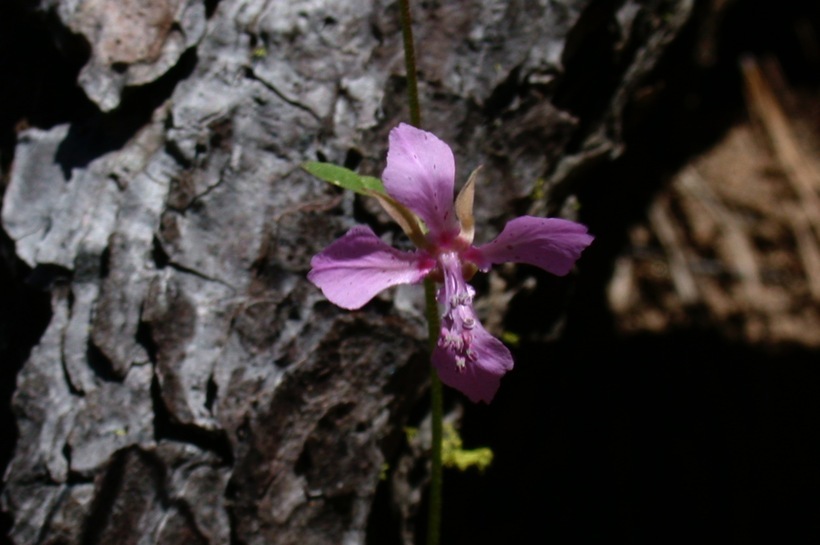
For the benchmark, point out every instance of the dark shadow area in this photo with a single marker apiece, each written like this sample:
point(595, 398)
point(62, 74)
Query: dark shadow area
point(25, 311)
point(39, 65)
point(681, 437)
point(37, 90)
point(166, 427)
point(40, 62)
point(100, 132)
point(593, 66)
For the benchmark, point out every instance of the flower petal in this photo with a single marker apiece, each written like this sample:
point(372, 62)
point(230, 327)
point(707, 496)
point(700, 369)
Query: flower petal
point(479, 379)
point(420, 174)
point(357, 266)
point(550, 243)
point(466, 356)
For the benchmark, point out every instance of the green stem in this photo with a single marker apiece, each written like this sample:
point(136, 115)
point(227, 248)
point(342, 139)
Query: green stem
point(437, 416)
point(433, 325)
point(410, 63)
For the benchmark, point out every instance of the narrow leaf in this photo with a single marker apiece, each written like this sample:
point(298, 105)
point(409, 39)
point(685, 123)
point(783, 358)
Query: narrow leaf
point(344, 177)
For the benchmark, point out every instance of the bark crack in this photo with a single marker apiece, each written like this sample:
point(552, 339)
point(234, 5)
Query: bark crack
point(251, 74)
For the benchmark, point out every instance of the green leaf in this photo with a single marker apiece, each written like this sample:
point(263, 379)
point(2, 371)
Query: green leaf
point(511, 338)
point(454, 455)
point(344, 177)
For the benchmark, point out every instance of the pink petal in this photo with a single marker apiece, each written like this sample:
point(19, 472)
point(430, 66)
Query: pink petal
point(550, 243)
point(420, 174)
point(479, 379)
point(466, 356)
point(354, 268)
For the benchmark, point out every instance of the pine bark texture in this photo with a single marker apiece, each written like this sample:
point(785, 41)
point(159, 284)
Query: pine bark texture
point(191, 385)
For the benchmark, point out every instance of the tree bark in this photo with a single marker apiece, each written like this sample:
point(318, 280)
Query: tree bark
point(191, 386)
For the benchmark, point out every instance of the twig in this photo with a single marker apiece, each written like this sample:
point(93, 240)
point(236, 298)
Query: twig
point(803, 177)
point(806, 248)
point(664, 229)
point(738, 247)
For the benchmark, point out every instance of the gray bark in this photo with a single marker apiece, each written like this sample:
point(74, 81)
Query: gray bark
point(192, 386)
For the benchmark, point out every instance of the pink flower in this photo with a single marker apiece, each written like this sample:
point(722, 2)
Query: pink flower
point(419, 181)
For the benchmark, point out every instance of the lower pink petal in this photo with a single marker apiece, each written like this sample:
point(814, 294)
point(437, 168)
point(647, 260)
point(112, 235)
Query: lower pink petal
point(357, 266)
point(467, 357)
point(478, 379)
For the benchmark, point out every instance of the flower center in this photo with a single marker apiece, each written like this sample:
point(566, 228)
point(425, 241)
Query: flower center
point(458, 319)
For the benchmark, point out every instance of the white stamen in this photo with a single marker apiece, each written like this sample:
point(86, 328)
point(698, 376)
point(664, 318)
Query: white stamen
point(460, 299)
point(460, 363)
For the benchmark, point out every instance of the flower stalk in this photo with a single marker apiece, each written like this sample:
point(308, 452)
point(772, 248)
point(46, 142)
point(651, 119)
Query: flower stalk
point(410, 63)
point(433, 322)
point(436, 417)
